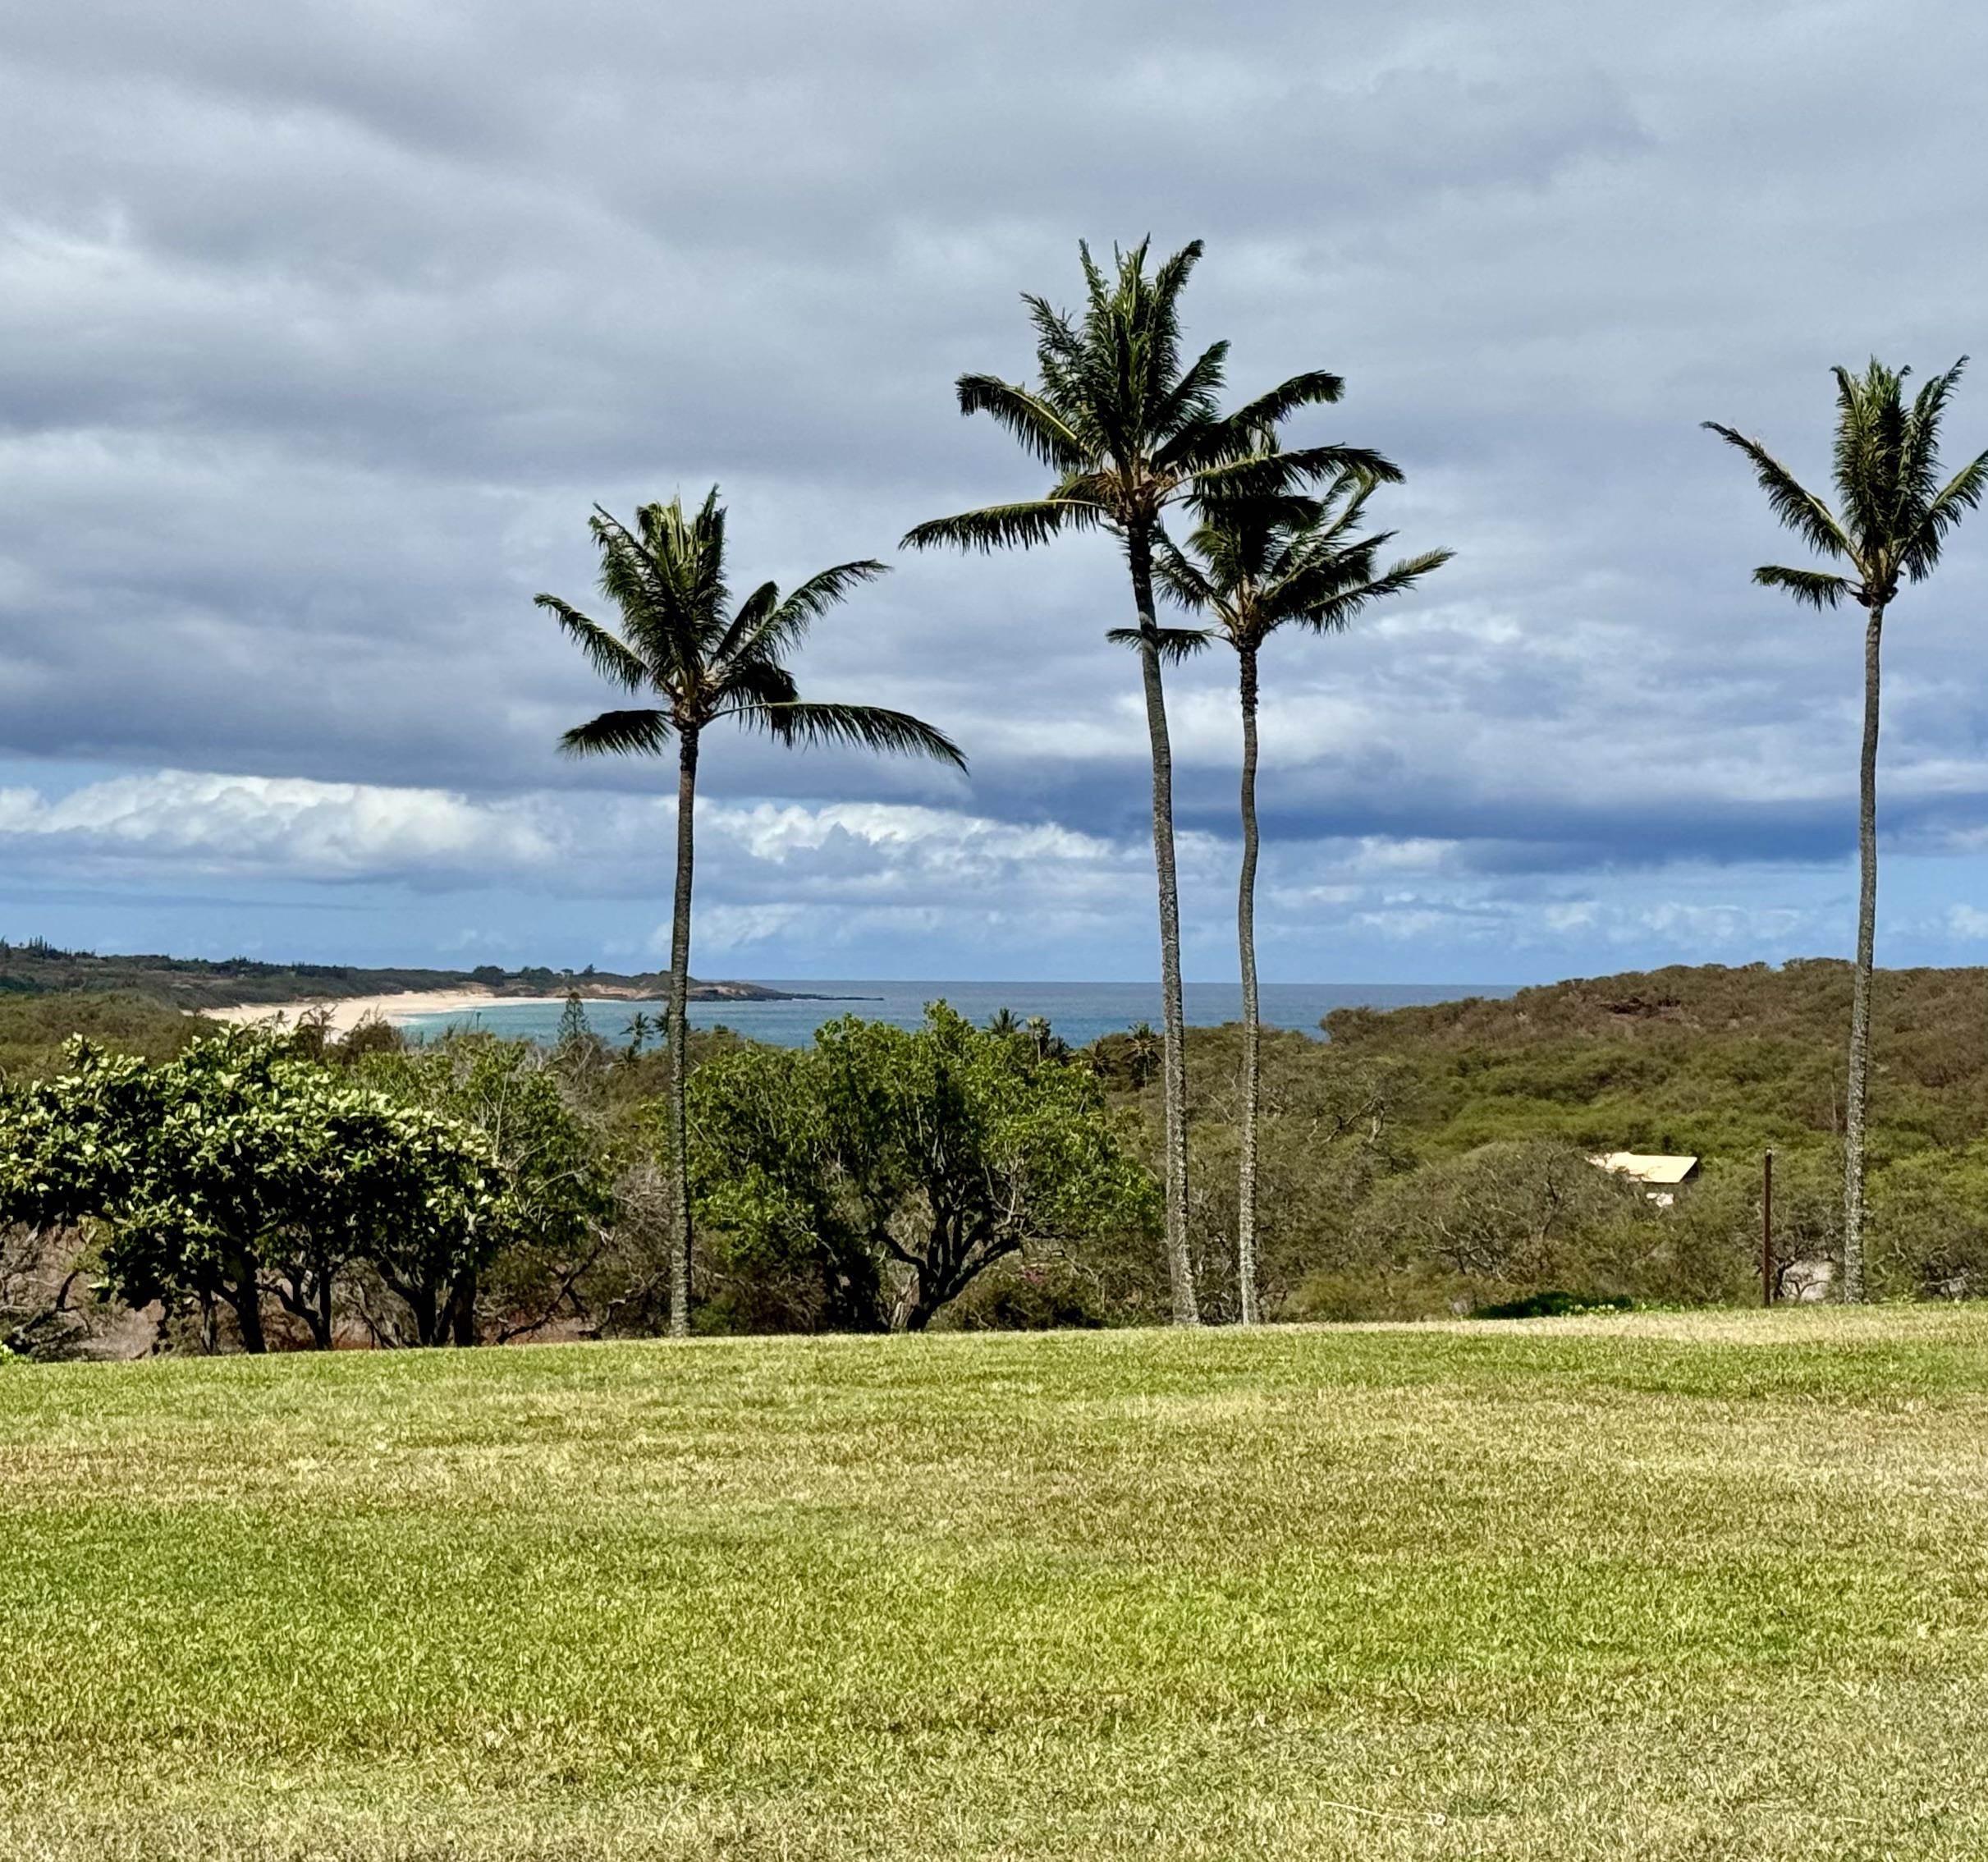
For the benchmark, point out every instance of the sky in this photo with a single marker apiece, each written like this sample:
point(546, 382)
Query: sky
point(323, 327)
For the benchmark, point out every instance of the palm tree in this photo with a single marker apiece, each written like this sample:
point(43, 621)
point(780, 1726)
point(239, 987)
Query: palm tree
point(1130, 430)
point(1893, 515)
point(681, 640)
point(1251, 565)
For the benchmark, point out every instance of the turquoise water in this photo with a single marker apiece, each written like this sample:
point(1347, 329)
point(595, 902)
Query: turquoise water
point(1078, 1011)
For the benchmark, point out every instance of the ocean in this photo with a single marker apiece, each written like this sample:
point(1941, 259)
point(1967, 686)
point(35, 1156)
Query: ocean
point(1077, 1011)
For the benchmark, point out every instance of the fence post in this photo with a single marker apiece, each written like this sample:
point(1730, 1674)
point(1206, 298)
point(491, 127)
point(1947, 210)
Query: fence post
point(1766, 1229)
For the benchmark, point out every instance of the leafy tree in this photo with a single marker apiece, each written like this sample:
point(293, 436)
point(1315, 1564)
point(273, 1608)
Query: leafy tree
point(1252, 566)
point(239, 1168)
point(681, 641)
point(1130, 428)
point(547, 1225)
point(1894, 515)
point(906, 1162)
point(1532, 1215)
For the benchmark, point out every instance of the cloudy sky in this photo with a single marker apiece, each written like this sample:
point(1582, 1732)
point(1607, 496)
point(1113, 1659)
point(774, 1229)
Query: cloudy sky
point(322, 327)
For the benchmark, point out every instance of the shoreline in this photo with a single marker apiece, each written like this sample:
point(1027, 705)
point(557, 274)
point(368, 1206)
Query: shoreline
point(346, 1012)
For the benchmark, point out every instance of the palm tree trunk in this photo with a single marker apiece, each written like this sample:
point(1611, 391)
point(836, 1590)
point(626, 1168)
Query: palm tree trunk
point(1857, 1095)
point(680, 992)
point(1180, 1268)
point(1246, 944)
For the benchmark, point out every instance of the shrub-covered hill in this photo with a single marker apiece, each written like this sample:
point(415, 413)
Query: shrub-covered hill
point(1707, 1059)
point(33, 1028)
point(1436, 1157)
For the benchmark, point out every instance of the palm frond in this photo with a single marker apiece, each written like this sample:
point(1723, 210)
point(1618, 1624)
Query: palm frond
point(756, 680)
point(610, 657)
point(1315, 387)
point(1870, 442)
point(1037, 425)
point(1961, 493)
point(1172, 279)
point(643, 572)
point(1919, 465)
point(784, 626)
point(619, 733)
point(1180, 577)
point(1173, 645)
point(862, 726)
point(828, 588)
point(750, 615)
point(1812, 587)
point(1005, 526)
point(1796, 507)
point(1271, 473)
point(1331, 612)
point(1192, 399)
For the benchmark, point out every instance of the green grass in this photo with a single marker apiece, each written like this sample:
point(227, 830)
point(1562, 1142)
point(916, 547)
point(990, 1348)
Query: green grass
point(1707, 1587)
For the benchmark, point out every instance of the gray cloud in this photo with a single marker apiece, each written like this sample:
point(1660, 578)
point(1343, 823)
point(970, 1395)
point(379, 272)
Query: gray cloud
point(321, 330)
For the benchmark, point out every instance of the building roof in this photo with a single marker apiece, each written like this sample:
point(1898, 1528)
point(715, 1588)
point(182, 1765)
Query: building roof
point(1648, 1167)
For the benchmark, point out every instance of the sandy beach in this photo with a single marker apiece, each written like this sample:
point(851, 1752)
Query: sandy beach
point(346, 1012)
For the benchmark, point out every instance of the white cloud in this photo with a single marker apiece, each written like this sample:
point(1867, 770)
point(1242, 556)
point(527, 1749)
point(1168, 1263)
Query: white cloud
point(213, 823)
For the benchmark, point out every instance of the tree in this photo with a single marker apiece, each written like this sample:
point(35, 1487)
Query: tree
point(907, 1160)
point(575, 1030)
point(1251, 565)
point(1894, 515)
point(1130, 430)
point(241, 1169)
point(546, 1226)
point(681, 640)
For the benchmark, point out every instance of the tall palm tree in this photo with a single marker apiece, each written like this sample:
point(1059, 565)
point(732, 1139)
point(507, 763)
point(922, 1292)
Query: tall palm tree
point(1252, 566)
point(1130, 428)
point(682, 641)
point(1893, 514)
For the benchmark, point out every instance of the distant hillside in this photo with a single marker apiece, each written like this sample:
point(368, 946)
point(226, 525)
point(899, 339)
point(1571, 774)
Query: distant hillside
point(1706, 1059)
point(1434, 1158)
point(37, 968)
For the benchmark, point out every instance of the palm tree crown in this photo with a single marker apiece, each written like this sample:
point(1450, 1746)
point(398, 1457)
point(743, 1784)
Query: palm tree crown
point(1128, 428)
point(1252, 564)
point(681, 640)
point(1893, 513)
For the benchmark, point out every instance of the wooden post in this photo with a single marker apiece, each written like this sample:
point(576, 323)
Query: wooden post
point(1766, 1229)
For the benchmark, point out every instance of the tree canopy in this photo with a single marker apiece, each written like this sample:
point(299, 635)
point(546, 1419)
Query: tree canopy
point(884, 1168)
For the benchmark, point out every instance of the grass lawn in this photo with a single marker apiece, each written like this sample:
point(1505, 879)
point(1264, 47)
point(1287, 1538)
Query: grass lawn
point(1649, 1587)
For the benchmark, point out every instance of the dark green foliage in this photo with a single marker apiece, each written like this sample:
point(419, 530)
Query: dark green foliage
point(240, 1170)
point(1929, 1223)
point(1032, 1295)
point(549, 1228)
point(868, 1181)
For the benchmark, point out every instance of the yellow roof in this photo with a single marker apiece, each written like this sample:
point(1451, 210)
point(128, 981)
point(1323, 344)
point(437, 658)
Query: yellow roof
point(1648, 1167)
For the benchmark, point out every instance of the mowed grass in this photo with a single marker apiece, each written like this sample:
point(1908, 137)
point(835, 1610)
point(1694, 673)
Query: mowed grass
point(1708, 1587)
